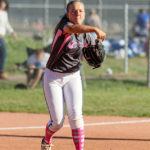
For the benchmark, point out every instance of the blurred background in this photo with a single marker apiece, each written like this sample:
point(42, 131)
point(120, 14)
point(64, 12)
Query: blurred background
point(123, 73)
point(28, 15)
point(37, 21)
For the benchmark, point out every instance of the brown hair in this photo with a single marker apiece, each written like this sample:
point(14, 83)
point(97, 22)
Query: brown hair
point(142, 10)
point(38, 51)
point(65, 16)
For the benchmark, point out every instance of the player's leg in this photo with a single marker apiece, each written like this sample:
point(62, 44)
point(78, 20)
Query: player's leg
point(73, 99)
point(54, 98)
point(3, 55)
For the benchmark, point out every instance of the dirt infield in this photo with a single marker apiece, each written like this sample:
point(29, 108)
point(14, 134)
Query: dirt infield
point(20, 131)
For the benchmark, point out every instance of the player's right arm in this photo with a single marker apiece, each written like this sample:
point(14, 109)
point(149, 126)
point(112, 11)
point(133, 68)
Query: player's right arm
point(77, 28)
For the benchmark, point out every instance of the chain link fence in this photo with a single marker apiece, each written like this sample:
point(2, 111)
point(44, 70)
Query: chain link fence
point(31, 16)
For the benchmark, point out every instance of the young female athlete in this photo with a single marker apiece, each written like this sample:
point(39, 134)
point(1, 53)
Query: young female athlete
point(62, 82)
point(4, 26)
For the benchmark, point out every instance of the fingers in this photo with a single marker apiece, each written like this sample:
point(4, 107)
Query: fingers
point(102, 37)
point(100, 34)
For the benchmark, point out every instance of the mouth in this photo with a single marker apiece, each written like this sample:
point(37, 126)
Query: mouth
point(78, 17)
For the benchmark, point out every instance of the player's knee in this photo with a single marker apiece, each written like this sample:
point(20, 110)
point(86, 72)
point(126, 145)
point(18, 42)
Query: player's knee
point(56, 126)
point(77, 123)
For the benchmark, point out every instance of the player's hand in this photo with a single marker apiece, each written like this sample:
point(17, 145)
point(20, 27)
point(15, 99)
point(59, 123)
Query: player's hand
point(15, 36)
point(100, 34)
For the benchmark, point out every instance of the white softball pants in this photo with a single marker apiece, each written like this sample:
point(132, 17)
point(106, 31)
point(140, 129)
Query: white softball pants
point(60, 88)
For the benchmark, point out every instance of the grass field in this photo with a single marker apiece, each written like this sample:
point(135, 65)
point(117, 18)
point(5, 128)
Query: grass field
point(102, 97)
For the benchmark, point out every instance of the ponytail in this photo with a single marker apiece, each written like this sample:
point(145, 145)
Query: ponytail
point(59, 23)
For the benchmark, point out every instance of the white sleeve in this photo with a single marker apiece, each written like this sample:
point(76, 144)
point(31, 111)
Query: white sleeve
point(45, 59)
point(31, 60)
point(8, 26)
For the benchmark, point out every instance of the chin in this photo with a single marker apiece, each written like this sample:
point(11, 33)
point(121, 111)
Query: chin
point(78, 22)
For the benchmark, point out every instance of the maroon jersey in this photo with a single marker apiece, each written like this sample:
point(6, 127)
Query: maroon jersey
point(66, 50)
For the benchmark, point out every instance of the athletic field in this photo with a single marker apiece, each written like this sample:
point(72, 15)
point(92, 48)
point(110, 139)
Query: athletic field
point(25, 131)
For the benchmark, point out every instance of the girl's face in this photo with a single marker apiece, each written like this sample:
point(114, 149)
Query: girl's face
point(3, 6)
point(76, 13)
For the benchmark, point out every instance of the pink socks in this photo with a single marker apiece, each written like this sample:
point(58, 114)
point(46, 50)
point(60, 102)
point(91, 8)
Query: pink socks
point(78, 138)
point(77, 135)
point(48, 135)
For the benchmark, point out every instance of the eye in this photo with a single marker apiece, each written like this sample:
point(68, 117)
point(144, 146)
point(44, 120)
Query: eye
point(81, 11)
point(75, 11)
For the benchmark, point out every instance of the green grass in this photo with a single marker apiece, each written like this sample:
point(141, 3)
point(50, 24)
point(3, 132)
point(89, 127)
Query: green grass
point(137, 67)
point(117, 97)
point(12, 100)
point(102, 97)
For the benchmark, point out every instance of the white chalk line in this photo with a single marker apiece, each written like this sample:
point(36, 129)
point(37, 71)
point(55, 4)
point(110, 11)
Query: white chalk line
point(87, 124)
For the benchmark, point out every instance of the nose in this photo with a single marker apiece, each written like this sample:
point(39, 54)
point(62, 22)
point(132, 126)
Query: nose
point(77, 12)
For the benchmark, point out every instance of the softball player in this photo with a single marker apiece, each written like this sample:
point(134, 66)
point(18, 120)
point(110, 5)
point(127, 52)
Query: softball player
point(62, 82)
